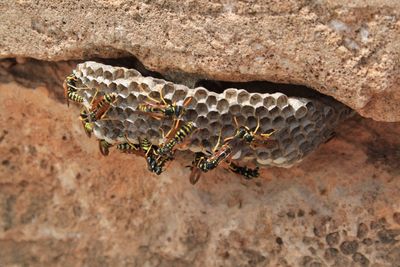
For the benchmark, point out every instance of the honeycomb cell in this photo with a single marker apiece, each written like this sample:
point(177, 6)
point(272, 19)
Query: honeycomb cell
point(226, 119)
point(201, 122)
point(269, 101)
point(281, 101)
point(118, 74)
point(107, 75)
point(215, 128)
point(230, 94)
point(243, 97)
point(202, 109)
point(191, 115)
point(278, 122)
point(98, 72)
point(168, 88)
point(300, 112)
point(133, 87)
point(213, 116)
point(251, 122)
point(131, 74)
point(241, 120)
point(228, 130)
point(179, 95)
point(203, 133)
point(200, 93)
point(222, 105)
point(261, 112)
point(287, 111)
point(211, 101)
point(273, 111)
point(235, 109)
point(247, 111)
point(256, 99)
point(290, 120)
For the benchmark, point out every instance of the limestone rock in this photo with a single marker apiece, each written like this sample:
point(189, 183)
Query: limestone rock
point(346, 50)
point(63, 204)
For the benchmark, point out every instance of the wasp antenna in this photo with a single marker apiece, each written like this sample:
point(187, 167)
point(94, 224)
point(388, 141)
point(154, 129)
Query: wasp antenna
point(187, 101)
point(236, 122)
point(258, 125)
point(218, 142)
point(162, 96)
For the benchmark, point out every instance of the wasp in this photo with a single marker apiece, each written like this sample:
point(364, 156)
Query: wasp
point(175, 136)
point(245, 171)
point(104, 147)
point(147, 150)
point(224, 152)
point(97, 110)
point(70, 89)
point(162, 109)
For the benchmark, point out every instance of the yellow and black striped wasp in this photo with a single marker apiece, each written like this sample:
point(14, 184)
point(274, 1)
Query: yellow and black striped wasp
point(104, 147)
point(147, 150)
point(71, 90)
point(175, 136)
point(224, 152)
point(161, 109)
point(97, 110)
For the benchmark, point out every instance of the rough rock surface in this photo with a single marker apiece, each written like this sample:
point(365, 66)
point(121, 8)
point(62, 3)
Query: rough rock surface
point(62, 203)
point(350, 51)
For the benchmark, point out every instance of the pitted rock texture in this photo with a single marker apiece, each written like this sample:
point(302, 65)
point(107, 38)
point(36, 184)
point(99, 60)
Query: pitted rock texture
point(63, 204)
point(350, 51)
point(300, 124)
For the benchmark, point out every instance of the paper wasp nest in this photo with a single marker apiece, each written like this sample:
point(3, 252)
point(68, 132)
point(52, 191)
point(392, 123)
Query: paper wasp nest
point(300, 124)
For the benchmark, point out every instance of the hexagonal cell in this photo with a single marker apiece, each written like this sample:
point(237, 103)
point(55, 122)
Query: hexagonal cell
point(235, 109)
point(226, 118)
point(200, 93)
point(243, 97)
point(228, 131)
point(230, 94)
point(98, 72)
point(107, 75)
point(131, 73)
point(190, 115)
point(213, 116)
point(92, 84)
point(202, 109)
point(256, 99)
point(251, 122)
point(287, 111)
point(310, 106)
point(201, 122)
point(328, 111)
point(179, 95)
point(241, 120)
point(118, 74)
point(278, 122)
point(203, 134)
point(299, 138)
point(269, 101)
point(134, 87)
point(300, 112)
point(273, 111)
point(215, 128)
point(247, 111)
point(168, 88)
point(281, 101)
point(261, 112)
point(290, 120)
point(222, 105)
point(276, 153)
point(153, 134)
point(211, 101)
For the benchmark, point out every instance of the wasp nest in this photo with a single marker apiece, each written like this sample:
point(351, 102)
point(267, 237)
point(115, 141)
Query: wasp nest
point(300, 124)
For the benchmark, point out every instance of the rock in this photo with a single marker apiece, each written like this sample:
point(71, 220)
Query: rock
point(59, 194)
point(348, 51)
